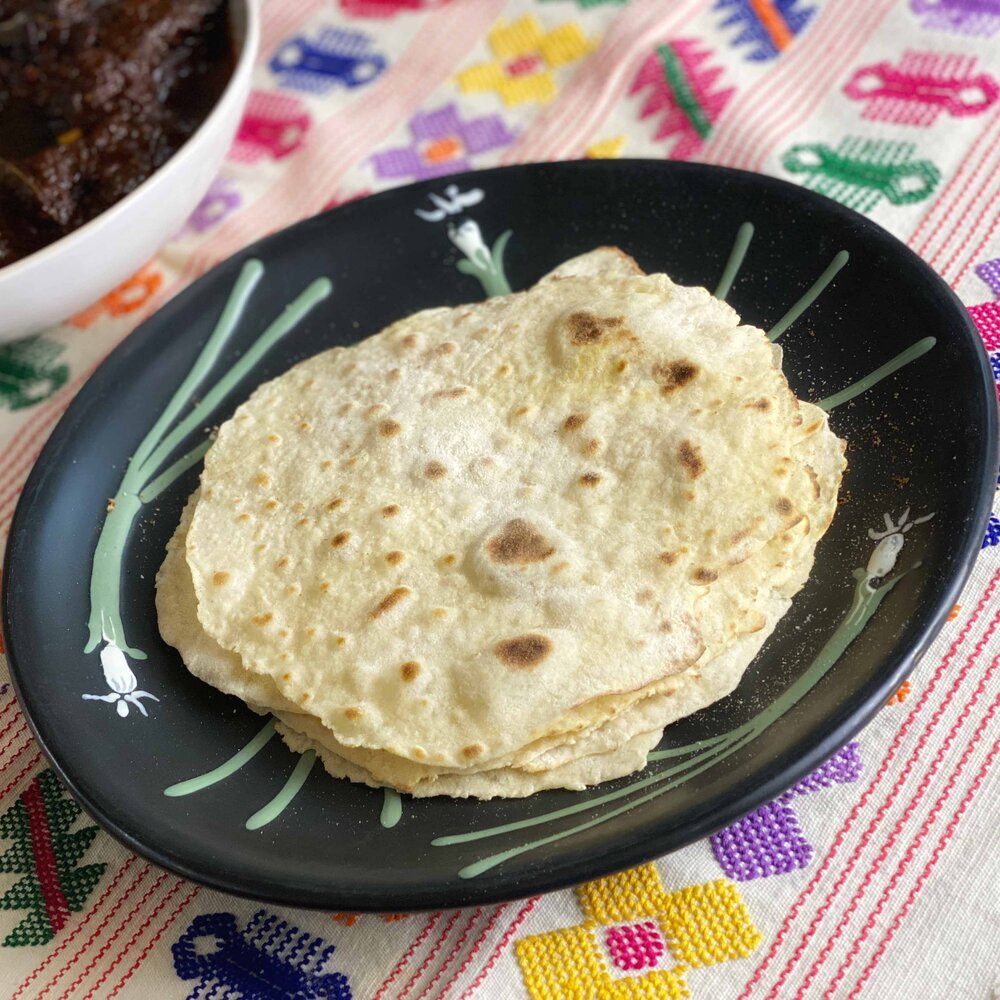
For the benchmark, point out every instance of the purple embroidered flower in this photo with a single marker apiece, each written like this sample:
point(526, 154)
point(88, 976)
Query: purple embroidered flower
point(989, 271)
point(443, 143)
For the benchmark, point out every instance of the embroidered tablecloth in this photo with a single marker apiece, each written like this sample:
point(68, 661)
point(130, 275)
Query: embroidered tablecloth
point(877, 876)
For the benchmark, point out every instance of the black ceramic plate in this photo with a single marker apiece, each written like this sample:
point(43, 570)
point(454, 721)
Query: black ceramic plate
point(922, 442)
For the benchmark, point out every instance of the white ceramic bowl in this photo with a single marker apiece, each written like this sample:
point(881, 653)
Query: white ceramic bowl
point(75, 271)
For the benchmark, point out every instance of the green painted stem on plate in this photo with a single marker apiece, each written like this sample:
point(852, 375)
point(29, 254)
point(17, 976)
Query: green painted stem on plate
point(392, 808)
point(250, 275)
point(866, 601)
point(812, 294)
point(283, 799)
point(224, 770)
point(917, 350)
point(174, 471)
point(736, 257)
point(488, 268)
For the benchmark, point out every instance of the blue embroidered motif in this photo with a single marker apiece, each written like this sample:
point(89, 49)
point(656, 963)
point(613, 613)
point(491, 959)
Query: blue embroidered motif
point(268, 960)
point(992, 532)
point(334, 56)
point(767, 26)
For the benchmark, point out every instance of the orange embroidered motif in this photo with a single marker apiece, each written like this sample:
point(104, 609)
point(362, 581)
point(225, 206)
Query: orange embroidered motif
point(902, 693)
point(127, 297)
point(637, 940)
point(953, 614)
point(526, 56)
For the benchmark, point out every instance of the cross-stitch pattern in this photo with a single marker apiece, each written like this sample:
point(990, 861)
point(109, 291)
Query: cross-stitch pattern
point(922, 87)
point(989, 271)
point(967, 17)
point(384, 9)
point(987, 320)
point(863, 172)
point(29, 373)
point(273, 125)
point(130, 295)
point(220, 200)
point(334, 57)
point(765, 27)
point(680, 85)
point(268, 958)
point(992, 532)
point(637, 939)
point(770, 841)
point(526, 57)
point(47, 854)
point(443, 142)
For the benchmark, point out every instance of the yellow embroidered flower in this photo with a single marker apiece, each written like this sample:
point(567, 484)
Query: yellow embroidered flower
point(526, 55)
point(637, 940)
point(606, 149)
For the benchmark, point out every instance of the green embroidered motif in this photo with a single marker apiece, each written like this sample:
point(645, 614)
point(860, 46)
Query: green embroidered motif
point(860, 173)
point(27, 372)
point(46, 854)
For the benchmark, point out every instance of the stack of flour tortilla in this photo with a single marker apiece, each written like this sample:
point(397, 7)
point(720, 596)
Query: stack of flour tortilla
point(497, 548)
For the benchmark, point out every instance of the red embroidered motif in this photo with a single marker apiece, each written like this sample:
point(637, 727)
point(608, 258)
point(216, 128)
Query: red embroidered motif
point(635, 946)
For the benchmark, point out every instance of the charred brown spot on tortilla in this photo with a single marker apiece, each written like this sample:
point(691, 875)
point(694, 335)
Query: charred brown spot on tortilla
point(394, 558)
point(523, 651)
point(673, 375)
point(458, 390)
point(388, 602)
point(282, 562)
point(345, 409)
point(449, 560)
point(390, 510)
point(435, 470)
point(472, 751)
point(352, 713)
point(518, 542)
point(341, 538)
point(645, 596)
point(668, 558)
point(409, 341)
point(702, 574)
point(503, 370)
point(690, 458)
point(590, 479)
point(243, 517)
point(814, 479)
point(575, 421)
point(521, 411)
point(263, 619)
point(759, 404)
point(263, 479)
point(271, 504)
point(220, 578)
point(388, 428)
point(409, 670)
point(395, 374)
point(325, 586)
point(440, 350)
point(586, 328)
point(783, 506)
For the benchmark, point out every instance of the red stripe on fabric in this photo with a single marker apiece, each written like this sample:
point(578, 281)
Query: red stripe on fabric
point(473, 951)
point(890, 756)
point(107, 944)
point(453, 953)
point(407, 955)
point(14, 735)
point(928, 868)
point(737, 125)
point(897, 828)
point(27, 742)
point(943, 203)
point(124, 950)
point(46, 867)
point(887, 891)
point(152, 941)
point(883, 809)
point(347, 136)
point(431, 955)
point(72, 935)
point(842, 54)
point(24, 770)
point(989, 212)
point(7, 705)
point(503, 942)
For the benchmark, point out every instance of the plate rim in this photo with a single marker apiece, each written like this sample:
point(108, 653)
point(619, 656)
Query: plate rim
point(434, 895)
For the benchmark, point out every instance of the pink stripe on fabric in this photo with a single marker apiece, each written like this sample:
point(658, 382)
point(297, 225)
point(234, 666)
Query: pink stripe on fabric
point(883, 809)
point(346, 137)
point(897, 828)
point(738, 124)
point(431, 955)
point(279, 18)
point(911, 851)
point(68, 940)
point(473, 951)
point(453, 953)
point(17, 732)
point(599, 82)
point(946, 203)
point(928, 868)
point(171, 917)
point(986, 221)
point(842, 55)
point(407, 955)
point(887, 761)
point(992, 209)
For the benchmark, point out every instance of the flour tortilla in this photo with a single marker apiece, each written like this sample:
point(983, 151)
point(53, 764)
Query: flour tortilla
point(621, 499)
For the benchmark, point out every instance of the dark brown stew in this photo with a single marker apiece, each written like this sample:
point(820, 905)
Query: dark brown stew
point(94, 96)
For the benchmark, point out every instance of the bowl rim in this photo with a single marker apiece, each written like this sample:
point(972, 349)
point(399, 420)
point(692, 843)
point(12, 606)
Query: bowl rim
point(249, 44)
